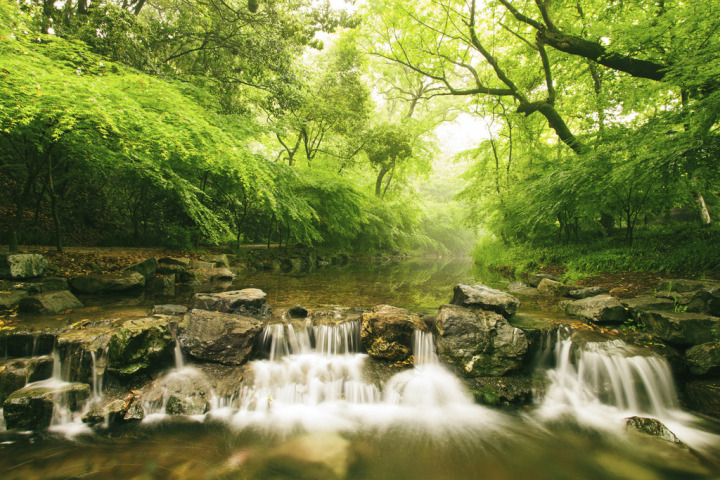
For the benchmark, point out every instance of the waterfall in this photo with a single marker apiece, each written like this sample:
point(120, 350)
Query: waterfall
point(608, 378)
point(424, 348)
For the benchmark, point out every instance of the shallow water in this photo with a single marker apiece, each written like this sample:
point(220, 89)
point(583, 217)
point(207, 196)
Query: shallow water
point(421, 424)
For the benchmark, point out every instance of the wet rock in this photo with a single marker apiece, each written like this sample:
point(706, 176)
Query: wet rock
point(11, 298)
point(693, 302)
point(598, 309)
point(15, 373)
point(218, 337)
point(704, 359)
point(219, 261)
point(140, 345)
point(552, 288)
point(541, 334)
point(387, 332)
point(250, 302)
point(49, 284)
point(479, 343)
point(147, 268)
point(534, 279)
point(169, 310)
point(27, 343)
point(76, 349)
point(646, 303)
point(704, 396)
point(486, 298)
point(108, 282)
point(298, 312)
point(653, 427)
point(586, 292)
point(215, 274)
point(681, 328)
point(178, 272)
point(163, 285)
point(112, 411)
point(32, 407)
point(50, 303)
point(24, 265)
point(183, 392)
point(178, 262)
point(505, 391)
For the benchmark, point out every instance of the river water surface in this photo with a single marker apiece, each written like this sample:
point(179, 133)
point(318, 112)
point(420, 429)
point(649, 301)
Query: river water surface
point(310, 415)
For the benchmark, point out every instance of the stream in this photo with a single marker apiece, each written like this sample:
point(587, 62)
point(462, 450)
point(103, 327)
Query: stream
point(312, 413)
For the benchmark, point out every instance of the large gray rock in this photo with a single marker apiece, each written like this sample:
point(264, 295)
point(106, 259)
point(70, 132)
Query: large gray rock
point(108, 282)
point(646, 303)
point(598, 309)
point(141, 345)
point(580, 293)
point(534, 279)
point(200, 265)
point(387, 332)
point(680, 285)
point(485, 298)
point(218, 337)
point(479, 343)
point(147, 268)
point(704, 359)
point(218, 261)
point(76, 349)
point(32, 407)
point(24, 265)
point(183, 392)
point(552, 288)
point(704, 396)
point(250, 301)
point(681, 328)
point(215, 274)
point(50, 303)
point(15, 373)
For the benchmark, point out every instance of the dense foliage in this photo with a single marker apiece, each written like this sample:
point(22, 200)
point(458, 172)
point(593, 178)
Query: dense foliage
point(287, 121)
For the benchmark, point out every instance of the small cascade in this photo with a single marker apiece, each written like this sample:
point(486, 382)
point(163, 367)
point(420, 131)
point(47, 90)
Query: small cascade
point(179, 359)
point(424, 348)
point(611, 377)
point(99, 362)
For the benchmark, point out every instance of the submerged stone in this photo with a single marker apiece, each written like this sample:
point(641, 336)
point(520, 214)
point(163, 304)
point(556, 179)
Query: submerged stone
point(653, 427)
point(218, 337)
point(23, 265)
point(387, 332)
point(32, 407)
point(50, 303)
point(479, 343)
point(486, 298)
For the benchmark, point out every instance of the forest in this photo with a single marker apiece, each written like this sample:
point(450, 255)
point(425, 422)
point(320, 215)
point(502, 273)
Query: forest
point(590, 130)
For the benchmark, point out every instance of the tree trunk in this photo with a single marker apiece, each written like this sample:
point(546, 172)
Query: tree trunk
point(704, 213)
point(379, 181)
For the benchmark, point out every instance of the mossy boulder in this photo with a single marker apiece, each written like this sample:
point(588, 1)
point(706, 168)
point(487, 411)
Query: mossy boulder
point(50, 303)
point(387, 332)
point(553, 288)
point(23, 265)
point(681, 328)
point(140, 345)
point(479, 343)
point(120, 282)
point(32, 407)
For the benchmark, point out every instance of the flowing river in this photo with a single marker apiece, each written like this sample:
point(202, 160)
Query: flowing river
point(311, 412)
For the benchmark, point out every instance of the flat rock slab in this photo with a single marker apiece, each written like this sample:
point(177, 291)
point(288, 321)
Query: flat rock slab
point(477, 342)
point(32, 407)
point(680, 285)
point(169, 310)
point(646, 303)
point(250, 301)
point(485, 298)
point(580, 293)
point(598, 309)
point(50, 303)
point(77, 347)
point(219, 337)
point(387, 332)
point(681, 328)
point(24, 265)
point(108, 282)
